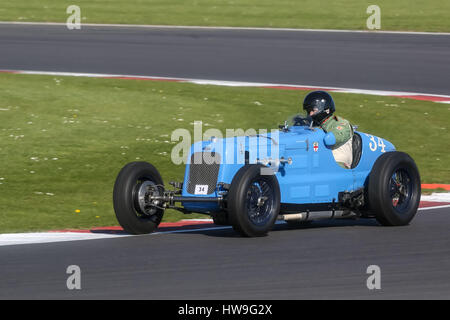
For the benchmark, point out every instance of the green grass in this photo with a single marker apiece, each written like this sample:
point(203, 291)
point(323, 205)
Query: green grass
point(64, 139)
point(412, 15)
point(431, 191)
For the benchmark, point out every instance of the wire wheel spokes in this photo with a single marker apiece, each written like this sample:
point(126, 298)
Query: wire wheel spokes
point(400, 189)
point(260, 202)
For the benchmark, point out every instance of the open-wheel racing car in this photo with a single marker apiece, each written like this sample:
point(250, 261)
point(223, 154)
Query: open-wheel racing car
point(296, 179)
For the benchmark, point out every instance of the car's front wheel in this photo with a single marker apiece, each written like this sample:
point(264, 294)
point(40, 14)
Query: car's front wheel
point(253, 201)
point(134, 186)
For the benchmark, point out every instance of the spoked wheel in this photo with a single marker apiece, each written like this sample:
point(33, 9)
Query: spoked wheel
point(260, 201)
point(136, 183)
point(401, 187)
point(253, 201)
point(394, 189)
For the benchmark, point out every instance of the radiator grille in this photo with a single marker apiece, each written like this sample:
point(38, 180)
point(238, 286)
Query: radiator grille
point(204, 170)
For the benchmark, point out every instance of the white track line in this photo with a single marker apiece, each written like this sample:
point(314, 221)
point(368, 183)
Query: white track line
point(149, 26)
point(49, 237)
point(436, 197)
point(437, 207)
point(411, 95)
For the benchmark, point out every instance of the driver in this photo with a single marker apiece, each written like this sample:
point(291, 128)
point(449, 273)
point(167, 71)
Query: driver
point(319, 105)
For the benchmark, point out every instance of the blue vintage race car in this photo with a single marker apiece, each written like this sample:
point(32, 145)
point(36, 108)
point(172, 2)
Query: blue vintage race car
point(249, 182)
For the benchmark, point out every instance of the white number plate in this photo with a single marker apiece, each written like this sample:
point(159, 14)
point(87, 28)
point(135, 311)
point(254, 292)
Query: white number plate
point(201, 189)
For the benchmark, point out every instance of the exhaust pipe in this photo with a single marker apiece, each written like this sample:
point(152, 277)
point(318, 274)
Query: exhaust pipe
point(317, 215)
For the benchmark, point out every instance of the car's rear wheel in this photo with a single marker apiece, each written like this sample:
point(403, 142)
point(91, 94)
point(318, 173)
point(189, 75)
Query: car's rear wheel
point(136, 182)
point(394, 189)
point(253, 201)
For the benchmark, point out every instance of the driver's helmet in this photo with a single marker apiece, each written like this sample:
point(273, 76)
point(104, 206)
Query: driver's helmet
point(321, 103)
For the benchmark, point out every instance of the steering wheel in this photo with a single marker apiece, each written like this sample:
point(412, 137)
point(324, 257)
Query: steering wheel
point(301, 121)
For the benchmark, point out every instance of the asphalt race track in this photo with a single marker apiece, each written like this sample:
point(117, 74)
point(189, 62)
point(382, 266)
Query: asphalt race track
point(327, 260)
point(396, 62)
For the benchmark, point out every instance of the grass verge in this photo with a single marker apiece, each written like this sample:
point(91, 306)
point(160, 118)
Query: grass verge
point(411, 15)
point(431, 191)
point(64, 139)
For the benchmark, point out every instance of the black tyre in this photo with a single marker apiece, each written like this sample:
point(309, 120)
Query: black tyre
point(135, 182)
point(394, 189)
point(253, 201)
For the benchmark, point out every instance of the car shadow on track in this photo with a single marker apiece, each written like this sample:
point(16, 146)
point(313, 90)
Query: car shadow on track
point(227, 231)
point(209, 229)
